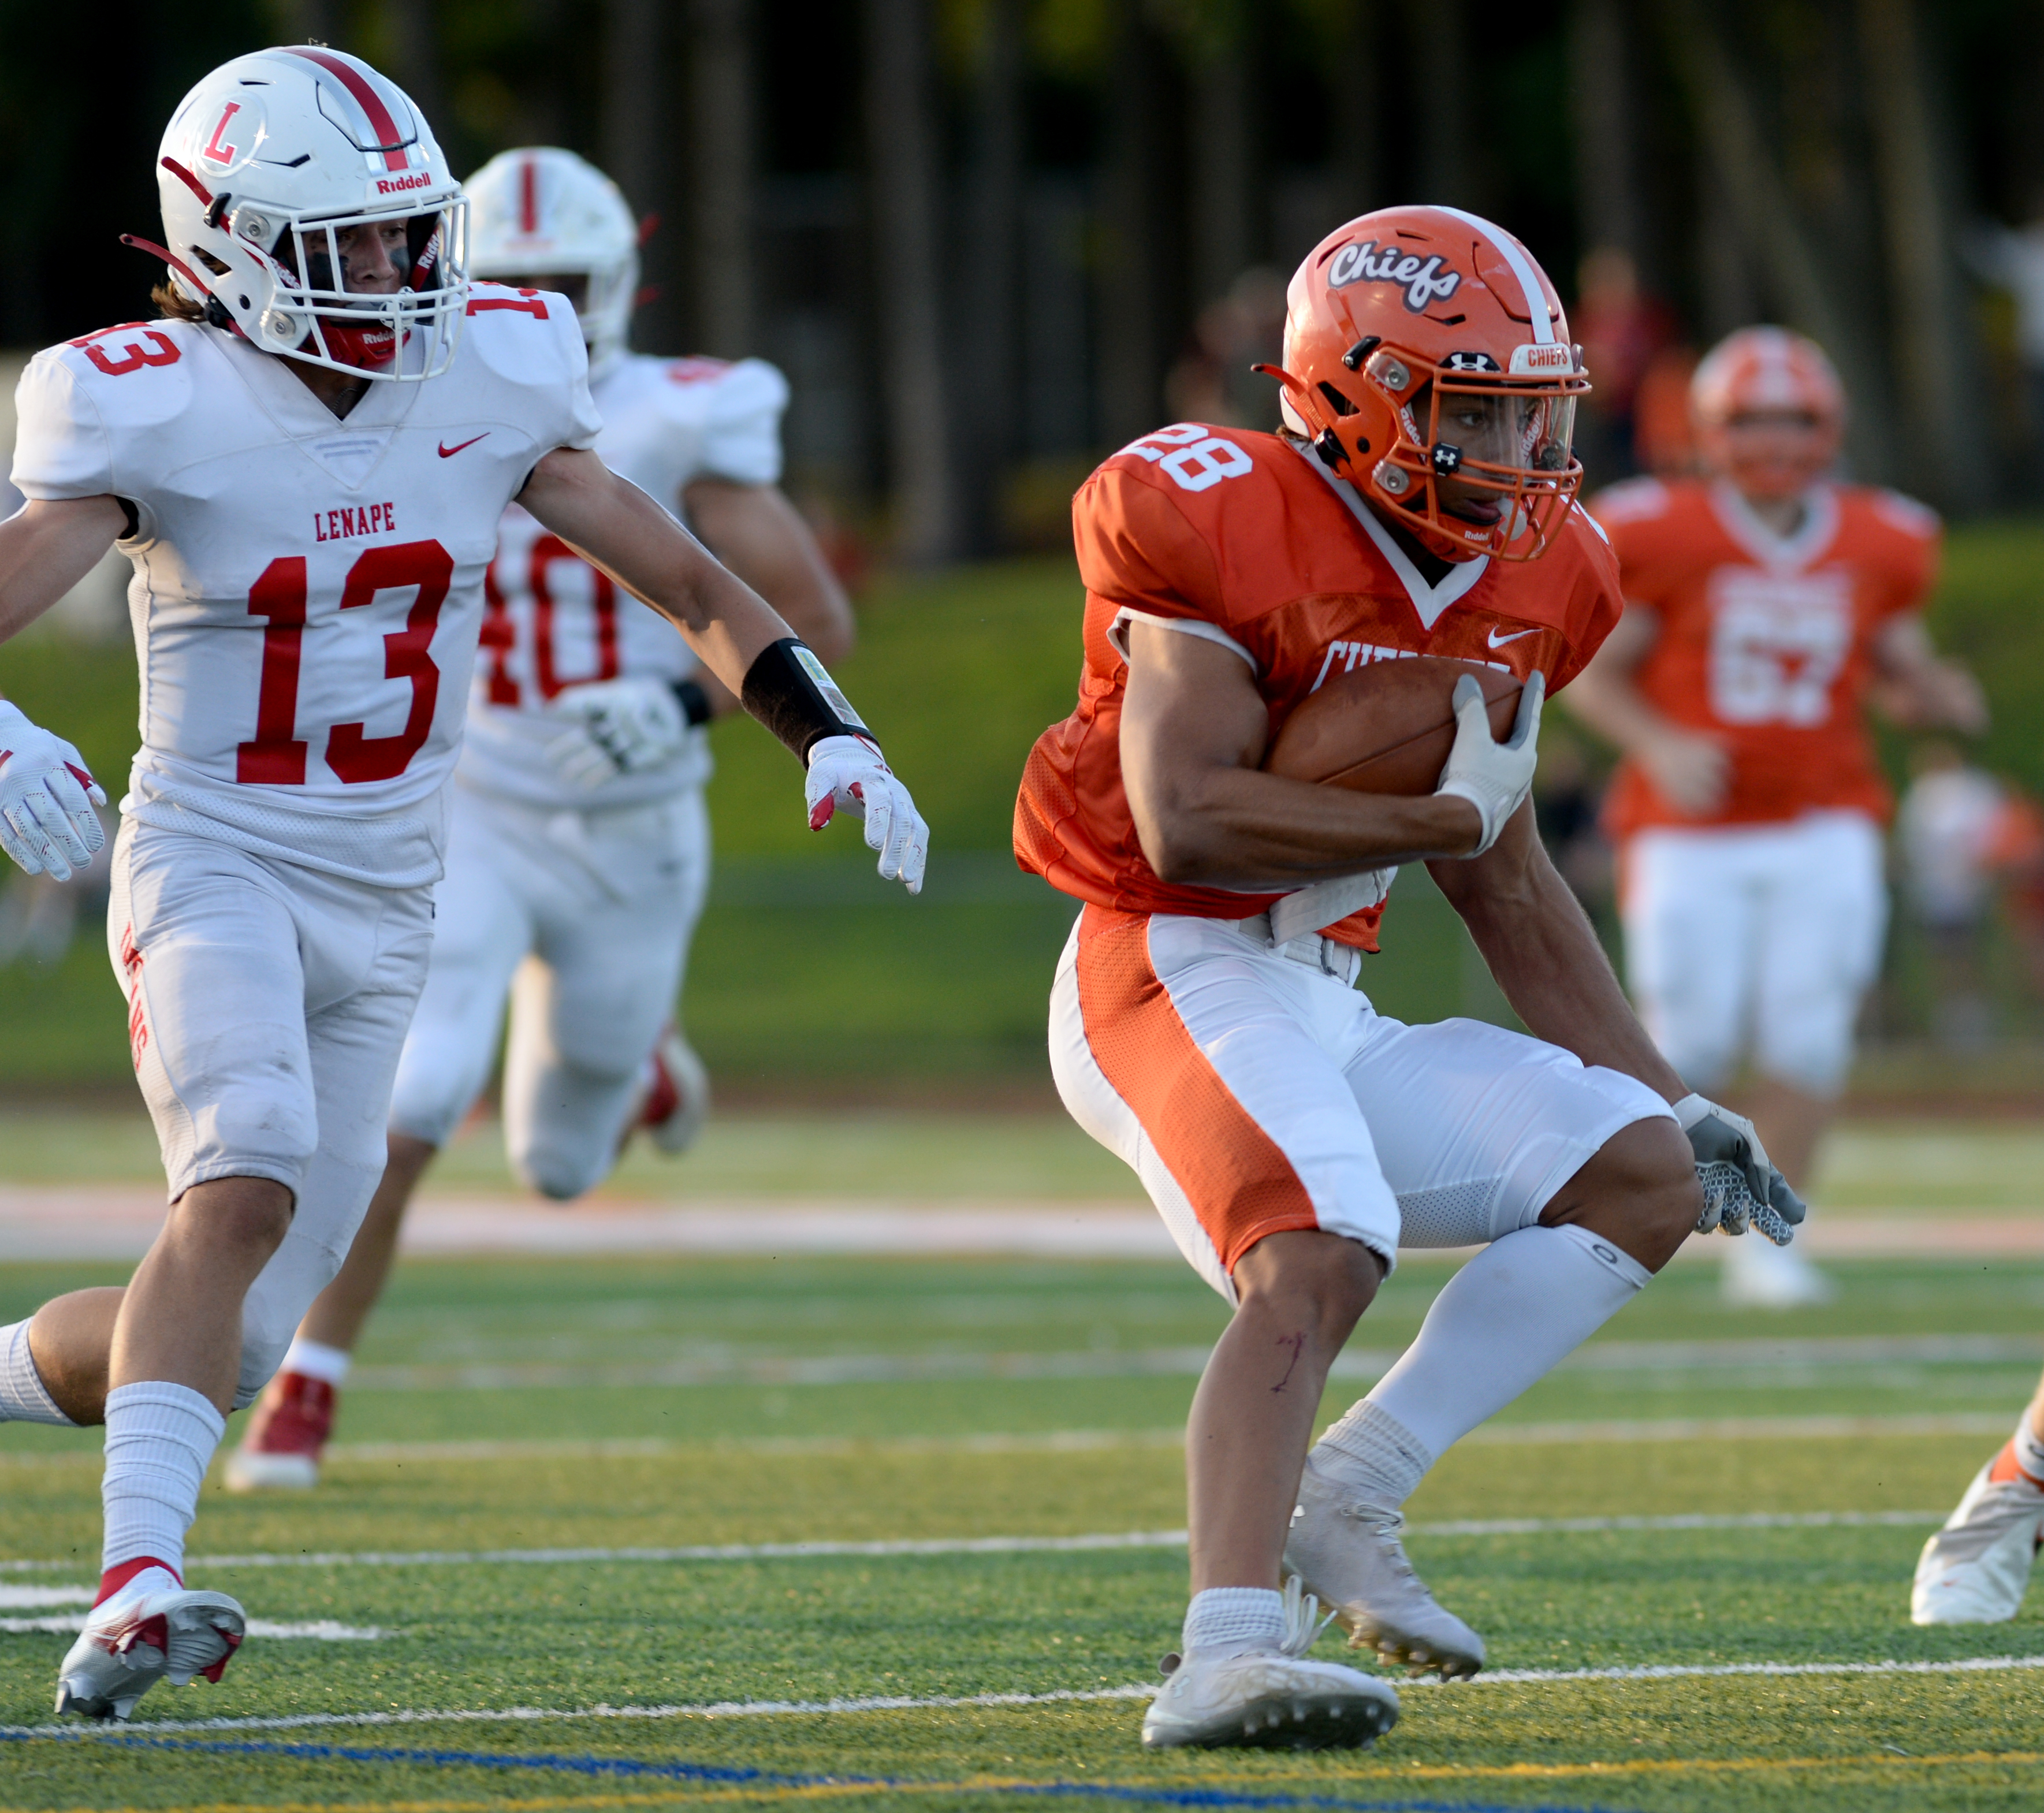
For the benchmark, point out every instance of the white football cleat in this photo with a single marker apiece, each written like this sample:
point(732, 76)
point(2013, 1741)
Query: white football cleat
point(1347, 1553)
point(135, 1640)
point(1760, 1275)
point(676, 1102)
point(1974, 1571)
point(1270, 1698)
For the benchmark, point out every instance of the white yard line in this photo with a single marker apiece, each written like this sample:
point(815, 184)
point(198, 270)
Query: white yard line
point(824, 1550)
point(905, 1702)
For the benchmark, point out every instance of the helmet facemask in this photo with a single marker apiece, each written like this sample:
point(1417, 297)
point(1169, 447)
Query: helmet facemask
point(314, 317)
point(1483, 462)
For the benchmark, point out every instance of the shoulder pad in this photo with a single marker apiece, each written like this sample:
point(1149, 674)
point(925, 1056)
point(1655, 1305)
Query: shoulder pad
point(137, 375)
point(1906, 514)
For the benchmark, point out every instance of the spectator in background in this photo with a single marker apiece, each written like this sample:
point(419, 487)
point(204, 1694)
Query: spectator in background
point(1623, 329)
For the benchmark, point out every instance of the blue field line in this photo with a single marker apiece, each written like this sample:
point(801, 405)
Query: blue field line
point(711, 1776)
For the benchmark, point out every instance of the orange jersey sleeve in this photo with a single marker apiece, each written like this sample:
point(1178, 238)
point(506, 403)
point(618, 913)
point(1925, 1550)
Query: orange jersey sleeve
point(1247, 537)
point(1766, 643)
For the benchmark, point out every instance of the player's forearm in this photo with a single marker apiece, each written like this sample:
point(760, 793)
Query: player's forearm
point(1609, 705)
point(1543, 950)
point(617, 528)
point(1239, 827)
point(760, 535)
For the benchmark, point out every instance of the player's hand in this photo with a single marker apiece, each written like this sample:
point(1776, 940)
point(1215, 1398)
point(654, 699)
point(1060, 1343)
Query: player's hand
point(47, 823)
point(1493, 777)
point(846, 774)
point(611, 728)
point(1741, 1187)
point(1693, 771)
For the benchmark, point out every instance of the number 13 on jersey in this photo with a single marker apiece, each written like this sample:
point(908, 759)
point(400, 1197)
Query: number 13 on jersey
point(275, 756)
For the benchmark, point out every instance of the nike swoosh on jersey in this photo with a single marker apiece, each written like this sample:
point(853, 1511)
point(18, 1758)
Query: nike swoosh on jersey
point(449, 452)
point(1497, 641)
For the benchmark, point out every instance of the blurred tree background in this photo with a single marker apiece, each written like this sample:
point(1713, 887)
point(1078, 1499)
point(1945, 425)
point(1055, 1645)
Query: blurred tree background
point(989, 239)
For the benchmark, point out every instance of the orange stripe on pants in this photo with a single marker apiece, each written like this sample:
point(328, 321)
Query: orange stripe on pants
point(1238, 1181)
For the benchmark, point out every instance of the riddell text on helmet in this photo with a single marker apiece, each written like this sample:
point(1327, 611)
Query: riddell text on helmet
point(1424, 279)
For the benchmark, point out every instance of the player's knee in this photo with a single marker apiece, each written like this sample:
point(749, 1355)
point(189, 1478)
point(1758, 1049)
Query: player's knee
point(1640, 1191)
point(241, 1215)
point(560, 1175)
point(1303, 1275)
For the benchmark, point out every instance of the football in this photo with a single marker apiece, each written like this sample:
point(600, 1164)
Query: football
point(1386, 727)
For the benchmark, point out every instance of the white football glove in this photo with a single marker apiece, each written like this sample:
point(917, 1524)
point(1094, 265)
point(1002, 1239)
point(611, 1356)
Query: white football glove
point(846, 774)
point(614, 727)
point(47, 822)
point(1741, 1187)
point(1493, 777)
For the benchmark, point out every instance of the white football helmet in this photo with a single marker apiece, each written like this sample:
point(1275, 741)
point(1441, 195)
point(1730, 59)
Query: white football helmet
point(541, 212)
point(264, 163)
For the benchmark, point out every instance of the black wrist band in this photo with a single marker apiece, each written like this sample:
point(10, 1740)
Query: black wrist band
point(694, 701)
point(790, 692)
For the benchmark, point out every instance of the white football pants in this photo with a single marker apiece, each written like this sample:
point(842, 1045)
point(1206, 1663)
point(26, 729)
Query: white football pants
point(1756, 939)
point(267, 1003)
point(1253, 1094)
point(583, 920)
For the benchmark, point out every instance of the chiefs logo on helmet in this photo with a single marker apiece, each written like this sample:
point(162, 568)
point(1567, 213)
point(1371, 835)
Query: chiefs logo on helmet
point(1428, 360)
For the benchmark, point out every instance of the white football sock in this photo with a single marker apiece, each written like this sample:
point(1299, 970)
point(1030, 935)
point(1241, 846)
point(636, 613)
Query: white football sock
point(317, 1361)
point(1229, 1620)
point(160, 1438)
point(24, 1397)
point(1504, 1321)
point(1370, 1449)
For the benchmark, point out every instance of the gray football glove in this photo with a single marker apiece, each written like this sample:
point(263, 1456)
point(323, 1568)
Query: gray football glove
point(1741, 1187)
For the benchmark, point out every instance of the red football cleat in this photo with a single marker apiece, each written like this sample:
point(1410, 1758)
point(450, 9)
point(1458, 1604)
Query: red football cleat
point(287, 1433)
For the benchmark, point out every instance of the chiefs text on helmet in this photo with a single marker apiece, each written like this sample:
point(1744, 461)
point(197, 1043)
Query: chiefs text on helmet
point(1769, 411)
point(539, 212)
point(265, 164)
point(1427, 359)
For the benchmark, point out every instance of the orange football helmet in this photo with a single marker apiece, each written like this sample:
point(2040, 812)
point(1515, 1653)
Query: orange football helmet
point(1428, 360)
point(1769, 411)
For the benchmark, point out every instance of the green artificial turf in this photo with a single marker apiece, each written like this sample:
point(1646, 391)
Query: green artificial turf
point(945, 1457)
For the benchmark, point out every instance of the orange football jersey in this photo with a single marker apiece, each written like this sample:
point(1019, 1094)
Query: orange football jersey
point(1766, 643)
point(1251, 538)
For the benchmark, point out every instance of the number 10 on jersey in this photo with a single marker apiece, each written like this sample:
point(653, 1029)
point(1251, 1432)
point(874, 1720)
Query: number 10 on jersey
point(275, 756)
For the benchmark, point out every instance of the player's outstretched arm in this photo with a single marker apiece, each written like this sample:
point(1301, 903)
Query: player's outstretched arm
point(760, 535)
point(1194, 728)
point(740, 637)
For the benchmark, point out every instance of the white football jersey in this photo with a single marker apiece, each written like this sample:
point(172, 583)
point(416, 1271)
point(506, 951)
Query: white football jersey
point(554, 622)
point(308, 590)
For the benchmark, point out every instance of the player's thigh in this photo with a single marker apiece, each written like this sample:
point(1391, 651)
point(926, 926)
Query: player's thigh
point(1477, 1128)
point(1826, 917)
point(611, 967)
point(205, 944)
point(1691, 954)
point(1206, 1065)
point(353, 1044)
point(481, 928)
